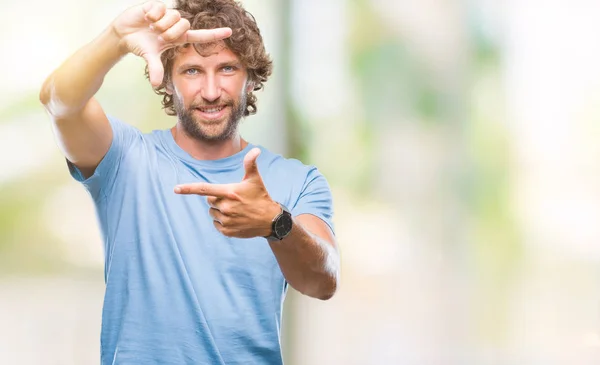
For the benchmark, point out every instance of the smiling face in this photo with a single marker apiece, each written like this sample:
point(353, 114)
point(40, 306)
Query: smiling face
point(209, 92)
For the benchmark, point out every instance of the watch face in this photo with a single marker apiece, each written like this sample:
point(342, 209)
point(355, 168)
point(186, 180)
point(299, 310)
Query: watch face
point(283, 226)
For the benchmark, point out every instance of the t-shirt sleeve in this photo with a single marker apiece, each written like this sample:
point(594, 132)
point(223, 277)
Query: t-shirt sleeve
point(315, 198)
point(100, 183)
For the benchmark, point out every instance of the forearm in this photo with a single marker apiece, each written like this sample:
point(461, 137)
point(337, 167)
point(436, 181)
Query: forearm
point(309, 263)
point(307, 255)
point(68, 89)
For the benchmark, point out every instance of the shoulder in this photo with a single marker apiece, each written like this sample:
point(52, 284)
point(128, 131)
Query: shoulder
point(272, 163)
point(301, 187)
point(290, 172)
point(130, 137)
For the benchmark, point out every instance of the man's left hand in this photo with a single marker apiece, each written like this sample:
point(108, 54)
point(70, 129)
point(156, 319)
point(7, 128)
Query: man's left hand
point(242, 210)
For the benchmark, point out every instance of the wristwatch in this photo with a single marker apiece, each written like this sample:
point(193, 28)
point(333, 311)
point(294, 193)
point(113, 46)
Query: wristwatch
point(282, 225)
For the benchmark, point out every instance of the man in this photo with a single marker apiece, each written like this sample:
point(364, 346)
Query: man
point(202, 230)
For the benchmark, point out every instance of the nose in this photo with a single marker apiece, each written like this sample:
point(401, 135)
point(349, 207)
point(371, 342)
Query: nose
point(211, 90)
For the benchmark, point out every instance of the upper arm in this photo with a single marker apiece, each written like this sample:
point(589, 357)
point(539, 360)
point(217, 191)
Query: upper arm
point(318, 227)
point(84, 137)
point(314, 207)
point(315, 200)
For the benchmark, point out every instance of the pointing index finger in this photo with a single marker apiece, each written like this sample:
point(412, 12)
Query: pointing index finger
point(206, 35)
point(204, 189)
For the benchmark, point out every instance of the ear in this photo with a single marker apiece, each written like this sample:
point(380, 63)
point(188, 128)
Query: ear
point(250, 86)
point(169, 88)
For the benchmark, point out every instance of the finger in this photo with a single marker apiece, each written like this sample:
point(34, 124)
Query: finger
point(154, 10)
point(206, 35)
point(155, 68)
point(170, 18)
point(213, 201)
point(176, 32)
point(205, 189)
point(216, 215)
point(219, 204)
point(220, 228)
point(250, 165)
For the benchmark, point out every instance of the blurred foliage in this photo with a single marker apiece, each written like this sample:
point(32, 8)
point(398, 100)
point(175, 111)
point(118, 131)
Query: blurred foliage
point(495, 246)
point(297, 132)
point(24, 104)
point(393, 83)
point(26, 246)
point(395, 86)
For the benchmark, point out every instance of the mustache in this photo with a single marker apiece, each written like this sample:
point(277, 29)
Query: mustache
point(218, 102)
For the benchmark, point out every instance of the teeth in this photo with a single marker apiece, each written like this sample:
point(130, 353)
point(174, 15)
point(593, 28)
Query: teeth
point(211, 110)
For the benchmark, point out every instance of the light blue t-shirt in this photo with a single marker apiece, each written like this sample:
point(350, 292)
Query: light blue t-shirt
point(177, 290)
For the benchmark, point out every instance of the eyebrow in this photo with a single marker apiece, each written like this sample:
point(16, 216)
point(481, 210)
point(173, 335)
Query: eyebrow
point(186, 66)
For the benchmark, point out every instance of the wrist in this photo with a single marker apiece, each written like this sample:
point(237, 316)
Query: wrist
point(281, 224)
point(114, 40)
point(271, 212)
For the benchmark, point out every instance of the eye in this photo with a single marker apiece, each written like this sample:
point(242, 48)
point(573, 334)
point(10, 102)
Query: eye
point(228, 69)
point(191, 71)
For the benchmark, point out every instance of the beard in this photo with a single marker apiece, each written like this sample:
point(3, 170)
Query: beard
point(199, 130)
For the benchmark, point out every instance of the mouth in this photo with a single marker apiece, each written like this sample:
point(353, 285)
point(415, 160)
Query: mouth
point(211, 112)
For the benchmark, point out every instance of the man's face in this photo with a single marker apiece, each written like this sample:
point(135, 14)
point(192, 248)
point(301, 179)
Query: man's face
point(209, 92)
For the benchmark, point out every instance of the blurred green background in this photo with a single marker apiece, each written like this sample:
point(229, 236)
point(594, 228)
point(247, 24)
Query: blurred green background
point(461, 141)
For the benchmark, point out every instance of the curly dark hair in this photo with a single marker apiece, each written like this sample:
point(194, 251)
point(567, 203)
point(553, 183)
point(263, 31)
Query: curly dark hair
point(246, 42)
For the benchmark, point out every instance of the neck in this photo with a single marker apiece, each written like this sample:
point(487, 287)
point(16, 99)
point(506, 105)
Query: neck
point(207, 150)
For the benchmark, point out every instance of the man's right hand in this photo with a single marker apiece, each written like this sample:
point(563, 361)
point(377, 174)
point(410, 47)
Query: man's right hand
point(82, 128)
point(149, 29)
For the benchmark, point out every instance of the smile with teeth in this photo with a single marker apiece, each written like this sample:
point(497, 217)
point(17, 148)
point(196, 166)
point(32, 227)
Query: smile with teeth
point(210, 110)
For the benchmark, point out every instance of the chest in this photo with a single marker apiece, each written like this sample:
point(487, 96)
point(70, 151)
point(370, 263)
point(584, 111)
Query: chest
point(171, 227)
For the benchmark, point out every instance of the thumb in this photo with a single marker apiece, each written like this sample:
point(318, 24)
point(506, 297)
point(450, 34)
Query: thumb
point(155, 68)
point(250, 163)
